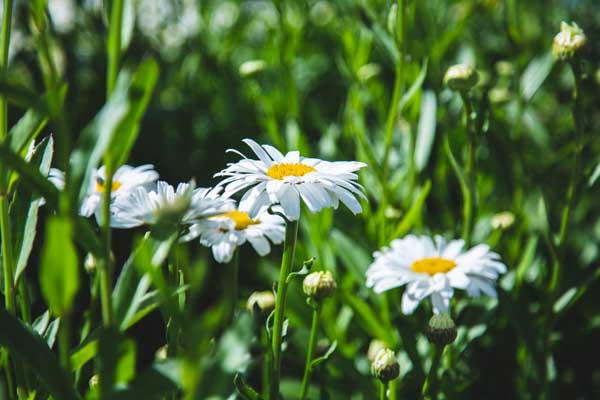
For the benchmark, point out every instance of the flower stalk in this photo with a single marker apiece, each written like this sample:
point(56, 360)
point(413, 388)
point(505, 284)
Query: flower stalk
point(314, 327)
point(431, 382)
point(287, 260)
point(106, 264)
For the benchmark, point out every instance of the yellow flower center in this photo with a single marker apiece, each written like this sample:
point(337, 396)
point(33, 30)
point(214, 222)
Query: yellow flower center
point(242, 219)
point(280, 171)
point(100, 185)
point(432, 265)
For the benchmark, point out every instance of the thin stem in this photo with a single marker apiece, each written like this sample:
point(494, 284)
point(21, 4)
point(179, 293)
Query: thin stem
point(232, 285)
point(470, 196)
point(383, 387)
point(106, 264)
point(430, 384)
point(114, 44)
point(267, 363)
point(7, 255)
point(64, 342)
point(398, 83)
point(311, 349)
point(287, 260)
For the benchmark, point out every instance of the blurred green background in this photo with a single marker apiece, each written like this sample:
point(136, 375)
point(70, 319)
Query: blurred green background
point(318, 76)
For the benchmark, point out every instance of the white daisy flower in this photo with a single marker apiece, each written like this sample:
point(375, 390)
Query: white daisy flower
point(125, 179)
point(185, 204)
point(224, 232)
point(284, 180)
point(434, 267)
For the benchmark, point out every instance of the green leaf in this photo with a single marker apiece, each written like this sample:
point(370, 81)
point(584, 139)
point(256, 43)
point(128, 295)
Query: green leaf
point(42, 157)
point(114, 129)
point(245, 390)
point(116, 360)
point(30, 175)
point(30, 348)
point(160, 379)
point(414, 87)
point(354, 257)
point(20, 95)
point(319, 360)
point(26, 129)
point(367, 318)
point(564, 300)
point(535, 74)
point(426, 129)
point(59, 271)
point(413, 213)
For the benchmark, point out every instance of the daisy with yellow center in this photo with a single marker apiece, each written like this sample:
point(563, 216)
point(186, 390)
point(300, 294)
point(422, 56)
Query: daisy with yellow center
point(226, 231)
point(433, 267)
point(125, 179)
point(173, 206)
point(286, 179)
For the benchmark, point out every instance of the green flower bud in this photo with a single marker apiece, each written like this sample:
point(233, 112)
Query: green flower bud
point(262, 302)
point(162, 353)
point(94, 381)
point(385, 367)
point(319, 285)
point(252, 67)
point(568, 41)
point(374, 347)
point(461, 77)
point(441, 330)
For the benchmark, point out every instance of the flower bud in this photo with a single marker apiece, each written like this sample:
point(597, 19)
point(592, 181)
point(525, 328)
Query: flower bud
point(90, 263)
point(374, 347)
point(385, 367)
point(262, 302)
point(461, 77)
point(441, 330)
point(94, 381)
point(162, 353)
point(503, 220)
point(568, 41)
point(319, 285)
point(252, 67)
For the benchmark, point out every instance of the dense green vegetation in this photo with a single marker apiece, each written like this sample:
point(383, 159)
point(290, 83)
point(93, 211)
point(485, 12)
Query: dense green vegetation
point(91, 311)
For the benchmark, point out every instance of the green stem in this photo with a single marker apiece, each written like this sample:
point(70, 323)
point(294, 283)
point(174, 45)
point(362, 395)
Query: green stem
point(470, 196)
point(267, 363)
point(430, 384)
point(232, 285)
point(287, 260)
point(398, 83)
point(106, 264)
point(383, 390)
point(311, 349)
point(7, 255)
point(64, 342)
point(114, 44)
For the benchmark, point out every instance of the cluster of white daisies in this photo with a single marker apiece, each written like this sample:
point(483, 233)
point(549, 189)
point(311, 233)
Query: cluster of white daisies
point(274, 186)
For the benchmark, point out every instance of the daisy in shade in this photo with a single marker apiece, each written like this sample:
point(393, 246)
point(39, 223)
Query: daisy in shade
point(224, 232)
point(125, 179)
point(182, 205)
point(434, 268)
point(285, 179)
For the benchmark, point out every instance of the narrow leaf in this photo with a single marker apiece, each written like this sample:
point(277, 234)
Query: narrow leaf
point(426, 129)
point(59, 271)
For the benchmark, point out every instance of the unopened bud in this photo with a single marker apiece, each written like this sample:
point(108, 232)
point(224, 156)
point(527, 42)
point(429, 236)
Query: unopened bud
point(374, 347)
point(319, 285)
point(461, 77)
point(441, 330)
point(262, 302)
point(252, 67)
point(503, 220)
point(162, 353)
point(94, 381)
point(385, 367)
point(568, 41)
point(90, 263)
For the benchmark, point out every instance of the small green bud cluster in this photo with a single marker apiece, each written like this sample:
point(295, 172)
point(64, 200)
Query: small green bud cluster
point(319, 285)
point(384, 365)
point(441, 330)
point(461, 77)
point(261, 302)
point(568, 42)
